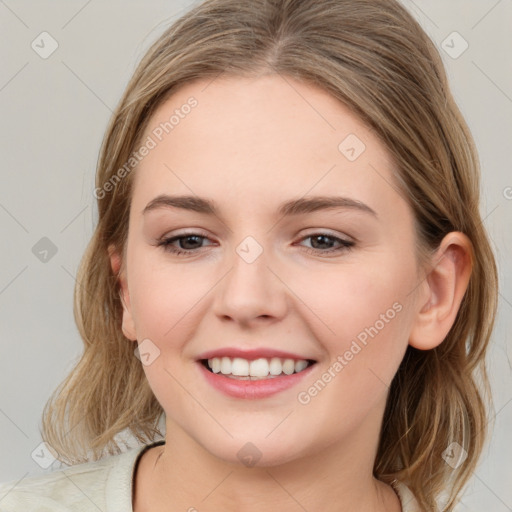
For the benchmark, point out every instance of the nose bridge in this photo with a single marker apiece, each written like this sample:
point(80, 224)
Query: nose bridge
point(250, 289)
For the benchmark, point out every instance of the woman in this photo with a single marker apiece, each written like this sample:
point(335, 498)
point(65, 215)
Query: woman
point(291, 374)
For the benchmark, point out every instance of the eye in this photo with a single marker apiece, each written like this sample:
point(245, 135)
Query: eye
point(189, 244)
point(325, 239)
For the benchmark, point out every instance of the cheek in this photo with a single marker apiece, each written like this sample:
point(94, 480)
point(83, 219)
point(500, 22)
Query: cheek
point(344, 299)
point(163, 295)
point(363, 359)
point(366, 316)
point(163, 299)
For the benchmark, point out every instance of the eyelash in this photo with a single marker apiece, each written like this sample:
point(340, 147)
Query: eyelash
point(165, 243)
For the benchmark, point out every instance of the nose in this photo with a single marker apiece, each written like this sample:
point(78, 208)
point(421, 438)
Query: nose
point(251, 291)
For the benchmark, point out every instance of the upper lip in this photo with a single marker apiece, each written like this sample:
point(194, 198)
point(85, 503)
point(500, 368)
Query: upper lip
point(251, 354)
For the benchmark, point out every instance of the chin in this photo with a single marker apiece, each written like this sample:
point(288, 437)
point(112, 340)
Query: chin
point(254, 452)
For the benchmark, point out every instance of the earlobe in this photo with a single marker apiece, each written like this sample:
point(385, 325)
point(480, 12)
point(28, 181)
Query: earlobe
point(444, 288)
point(128, 325)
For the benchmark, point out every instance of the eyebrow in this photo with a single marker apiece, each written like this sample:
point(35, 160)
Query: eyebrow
point(289, 208)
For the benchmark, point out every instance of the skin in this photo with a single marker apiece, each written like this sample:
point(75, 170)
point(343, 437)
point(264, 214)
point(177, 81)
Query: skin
point(273, 142)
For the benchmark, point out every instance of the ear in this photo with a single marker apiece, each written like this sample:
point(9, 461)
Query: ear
point(118, 268)
point(442, 291)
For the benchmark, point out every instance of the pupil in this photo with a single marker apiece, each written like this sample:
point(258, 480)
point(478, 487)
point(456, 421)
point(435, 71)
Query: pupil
point(185, 240)
point(322, 237)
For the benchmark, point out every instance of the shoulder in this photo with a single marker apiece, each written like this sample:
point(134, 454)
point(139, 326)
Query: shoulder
point(407, 499)
point(89, 486)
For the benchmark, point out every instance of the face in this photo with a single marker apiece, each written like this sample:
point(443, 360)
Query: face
point(262, 280)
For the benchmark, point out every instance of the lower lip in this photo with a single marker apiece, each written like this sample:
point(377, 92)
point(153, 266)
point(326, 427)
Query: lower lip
point(253, 389)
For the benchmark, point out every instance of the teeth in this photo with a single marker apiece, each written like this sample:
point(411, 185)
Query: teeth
point(258, 368)
point(300, 365)
point(288, 366)
point(275, 366)
point(225, 365)
point(240, 367)
point(214, 364)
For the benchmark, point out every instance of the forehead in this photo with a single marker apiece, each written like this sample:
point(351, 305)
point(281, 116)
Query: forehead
point(265, 137)
point(273, 109)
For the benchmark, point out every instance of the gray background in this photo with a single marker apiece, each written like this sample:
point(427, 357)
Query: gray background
point(54, 112)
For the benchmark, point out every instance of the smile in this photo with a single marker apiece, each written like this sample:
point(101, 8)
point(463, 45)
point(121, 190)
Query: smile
point(237, 377)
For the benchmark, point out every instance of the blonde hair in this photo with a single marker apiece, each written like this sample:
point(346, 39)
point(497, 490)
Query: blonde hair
point(375, 58)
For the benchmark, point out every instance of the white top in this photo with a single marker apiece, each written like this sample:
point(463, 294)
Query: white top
point(105, 485)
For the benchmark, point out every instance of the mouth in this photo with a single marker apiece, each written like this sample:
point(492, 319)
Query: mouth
point(238, 368)
point(256, 373)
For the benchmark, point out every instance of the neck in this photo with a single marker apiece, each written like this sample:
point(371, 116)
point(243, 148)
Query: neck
point(182, 475)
